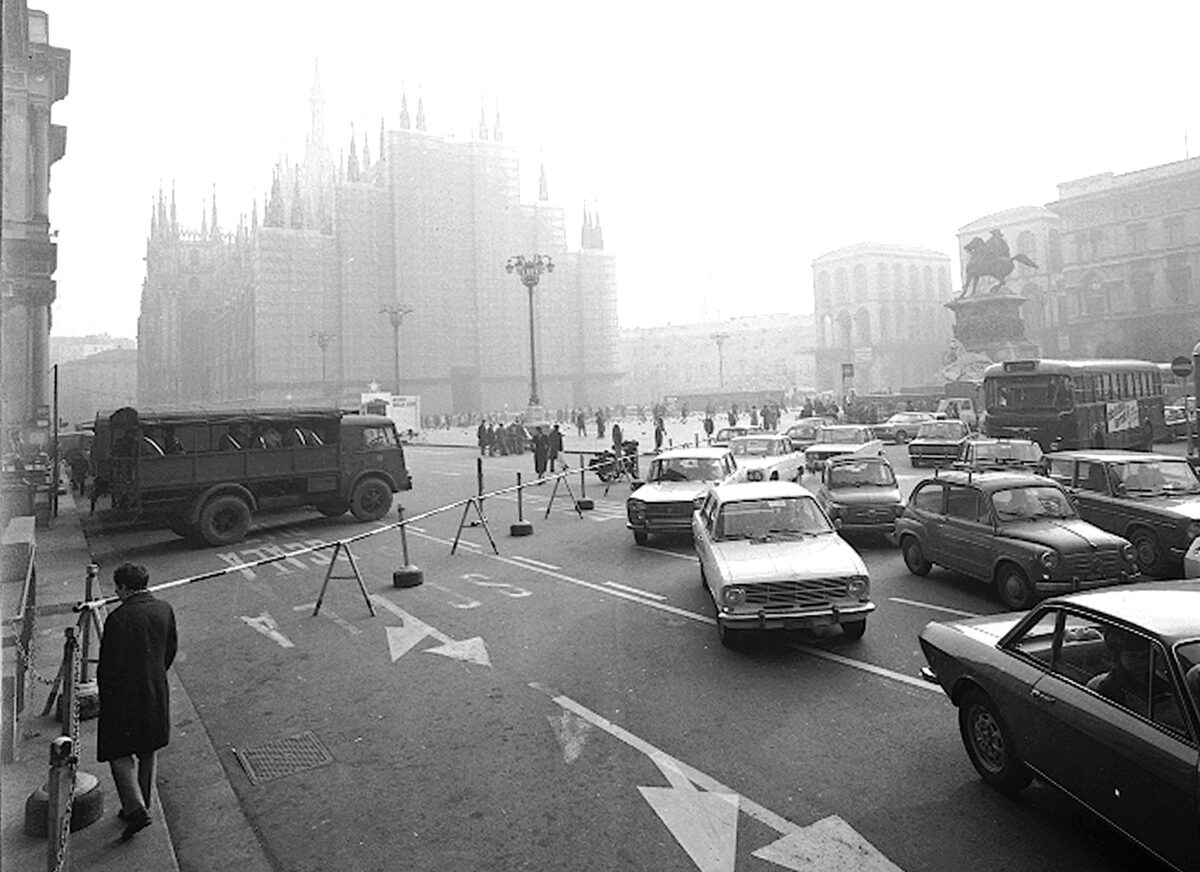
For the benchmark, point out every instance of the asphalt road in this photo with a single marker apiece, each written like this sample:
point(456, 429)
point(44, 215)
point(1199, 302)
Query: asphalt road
point(566, 704)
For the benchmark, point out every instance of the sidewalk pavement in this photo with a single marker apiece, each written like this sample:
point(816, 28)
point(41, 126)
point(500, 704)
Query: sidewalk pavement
point(203, 827)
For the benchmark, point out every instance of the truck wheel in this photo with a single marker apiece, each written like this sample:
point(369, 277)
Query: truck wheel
point(333, 508)
point(225, 519)
point(371, 500)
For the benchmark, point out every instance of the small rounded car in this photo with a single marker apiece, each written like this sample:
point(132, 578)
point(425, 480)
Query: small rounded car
point(860, 494)
point(771, 560)
point(722, 437)
point(938, 443)
point(766, 457)
point(838, 439)
point(803, 432)
point(981, 454)
point(674, 486)
point(902, 426)
point(1016, 530)
point(1096, 694)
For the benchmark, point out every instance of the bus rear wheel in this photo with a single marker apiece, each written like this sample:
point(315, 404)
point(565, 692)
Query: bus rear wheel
point(371, 500)
point(225, 519)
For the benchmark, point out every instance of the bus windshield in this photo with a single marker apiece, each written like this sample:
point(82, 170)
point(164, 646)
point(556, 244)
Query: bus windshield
point(1028, 393)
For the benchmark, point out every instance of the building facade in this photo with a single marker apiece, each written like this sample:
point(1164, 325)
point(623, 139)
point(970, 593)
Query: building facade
point(100, 382)
point(1130, 262)
point(754, 353)
point(296, 309)
point(880, 309)
point(36, 75)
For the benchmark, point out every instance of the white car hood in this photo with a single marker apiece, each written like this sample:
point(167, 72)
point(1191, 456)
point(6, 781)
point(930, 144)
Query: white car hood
point(745, 561)
point(670, 491)
point(836, 447)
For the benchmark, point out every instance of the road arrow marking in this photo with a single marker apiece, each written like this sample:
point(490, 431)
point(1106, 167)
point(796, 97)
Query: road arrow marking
point(266, 625)
point(572, 732)
point(704, 824)
point(402, 639)
point(829, 844)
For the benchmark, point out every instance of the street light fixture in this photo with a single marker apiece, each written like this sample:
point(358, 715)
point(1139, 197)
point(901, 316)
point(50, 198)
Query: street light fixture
point(396, 313)
point(323, 340)
point(530, 270)
point(720, 338)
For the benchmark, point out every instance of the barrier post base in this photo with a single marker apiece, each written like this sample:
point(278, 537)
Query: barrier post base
point(585, 504)
point(407, 576)
point(521, 528)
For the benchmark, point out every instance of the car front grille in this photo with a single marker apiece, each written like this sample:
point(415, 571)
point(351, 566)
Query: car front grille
point(868, 515)
point(668, 511)
point(811, 593)
point(1101, 564)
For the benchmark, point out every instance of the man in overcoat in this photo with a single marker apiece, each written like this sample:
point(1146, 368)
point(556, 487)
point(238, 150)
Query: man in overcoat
point(136, 650)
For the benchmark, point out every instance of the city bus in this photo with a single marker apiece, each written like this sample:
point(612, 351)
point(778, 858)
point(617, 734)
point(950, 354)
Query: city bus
point(1068, 404)
point(204, 473)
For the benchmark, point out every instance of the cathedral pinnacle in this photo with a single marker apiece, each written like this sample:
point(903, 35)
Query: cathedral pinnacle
point(497, 134)
point(404, 121)
point(420, 112)
point(483, 129)
point(543, 187)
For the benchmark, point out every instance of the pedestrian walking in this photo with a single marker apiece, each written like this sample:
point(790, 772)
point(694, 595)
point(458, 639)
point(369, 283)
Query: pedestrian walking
point(136, 650)
point(660, 430)
point(617, 438)
point(709, 426)
point(541, 451)
point(599, 425)
point(556, 446)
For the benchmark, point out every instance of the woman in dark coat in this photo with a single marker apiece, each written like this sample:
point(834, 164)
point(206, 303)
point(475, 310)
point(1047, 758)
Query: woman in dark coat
point(541, 452)
point(136, 650)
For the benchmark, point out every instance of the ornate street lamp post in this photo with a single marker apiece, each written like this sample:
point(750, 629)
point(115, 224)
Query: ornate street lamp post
point(323, 340)
point(396, 313)
point(720, 338)
point(530, 270)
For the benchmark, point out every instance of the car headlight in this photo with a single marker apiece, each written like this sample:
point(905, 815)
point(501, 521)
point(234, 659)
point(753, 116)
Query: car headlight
point(1049, 559)
point(1129, 553)
point(733, 596)
point(635, 508)
point(858, 586)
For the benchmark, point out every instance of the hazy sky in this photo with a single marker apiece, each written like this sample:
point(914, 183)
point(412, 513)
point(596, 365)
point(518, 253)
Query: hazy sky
point(725, 145)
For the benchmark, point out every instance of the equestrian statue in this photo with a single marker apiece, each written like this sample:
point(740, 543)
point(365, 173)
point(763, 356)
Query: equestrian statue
point(990, 258)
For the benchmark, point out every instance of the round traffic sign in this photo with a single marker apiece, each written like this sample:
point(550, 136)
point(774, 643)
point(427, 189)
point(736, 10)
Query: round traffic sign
point(1182, 366)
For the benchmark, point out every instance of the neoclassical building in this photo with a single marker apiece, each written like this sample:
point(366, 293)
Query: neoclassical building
point(880, 309)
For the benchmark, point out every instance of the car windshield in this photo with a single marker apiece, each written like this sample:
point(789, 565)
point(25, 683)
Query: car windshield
point(753, 447)
point(941, 430)
point(1031, 502)
point(686, 469)
point(802, 431)
point(1008, 452)
point(858, 474)
point(1148, 477)
point(852, 435)
point(764, 519)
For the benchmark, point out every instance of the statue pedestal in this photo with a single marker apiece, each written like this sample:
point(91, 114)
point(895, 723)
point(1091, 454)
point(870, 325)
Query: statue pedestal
point(991, 324)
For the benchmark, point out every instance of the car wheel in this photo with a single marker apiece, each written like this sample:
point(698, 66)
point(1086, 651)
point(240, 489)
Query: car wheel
point(914, 559)
point(1014, 588)
point(989, 744)
point(371, 500)
point(853, 630)
point(641, 537)
point(1150, 556)
point(901, 437)
point(225, 519)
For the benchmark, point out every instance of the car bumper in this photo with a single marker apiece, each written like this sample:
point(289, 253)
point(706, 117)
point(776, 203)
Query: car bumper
point(661, 525)
point(1052, 587)
point(798, 619)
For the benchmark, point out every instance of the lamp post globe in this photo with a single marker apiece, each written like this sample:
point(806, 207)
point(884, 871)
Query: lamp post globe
point(530, 270)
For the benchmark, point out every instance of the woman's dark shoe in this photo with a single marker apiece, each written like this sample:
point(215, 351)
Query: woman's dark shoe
point(135, 822)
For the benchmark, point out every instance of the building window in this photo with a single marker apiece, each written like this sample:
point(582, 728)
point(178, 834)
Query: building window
point(898, 280)
point(927, 275)
point(194, 258)
point(1080, 247)
point(823, 297)
point(881, 281)
point(1137, 237)
point(840, 286)
point(885, 325)
point(914, 280)
point(1173, 232)
point(862, 328)
point(1096, 243)
point(860, 281)
point(1179, 280)
point(1054, 251)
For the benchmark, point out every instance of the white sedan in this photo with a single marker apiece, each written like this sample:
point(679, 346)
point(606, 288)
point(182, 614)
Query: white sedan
point(839, 439)
point(766, 457)
point(771, 560)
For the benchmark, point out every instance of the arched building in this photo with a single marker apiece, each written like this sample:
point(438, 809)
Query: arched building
point(879, 308)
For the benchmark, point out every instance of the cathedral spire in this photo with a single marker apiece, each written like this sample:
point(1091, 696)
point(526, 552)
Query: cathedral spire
point(204, 222)
point(366, 152)
point(254, 216)
point(352, 166)
point(382, 142)
point(405, 124)
point(174, 228)
point(420, 112)
point(483, 129)
point(543, 187)
point(216, 234)
point(497, 133)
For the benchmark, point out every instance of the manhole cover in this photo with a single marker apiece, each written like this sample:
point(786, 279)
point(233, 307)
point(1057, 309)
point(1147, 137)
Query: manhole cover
point(283, 757)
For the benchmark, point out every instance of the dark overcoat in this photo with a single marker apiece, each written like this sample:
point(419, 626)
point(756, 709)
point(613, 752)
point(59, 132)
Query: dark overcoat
point(137, 649)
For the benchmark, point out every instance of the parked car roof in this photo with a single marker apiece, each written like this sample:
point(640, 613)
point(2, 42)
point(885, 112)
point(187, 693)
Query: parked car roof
point(1169, 609)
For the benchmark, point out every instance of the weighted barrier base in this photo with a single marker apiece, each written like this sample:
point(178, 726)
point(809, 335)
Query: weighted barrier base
point(521, 528)
point(88, 694)
point(407, 576)
point(585, 504)
point(87, 805)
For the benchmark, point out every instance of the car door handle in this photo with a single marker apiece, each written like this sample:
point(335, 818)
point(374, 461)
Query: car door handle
point(1042, 697)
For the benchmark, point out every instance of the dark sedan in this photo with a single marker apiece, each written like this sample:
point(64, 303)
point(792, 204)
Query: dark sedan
point(1097, 694)
point(1153, 500)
